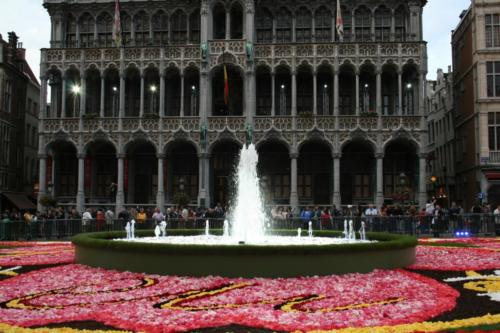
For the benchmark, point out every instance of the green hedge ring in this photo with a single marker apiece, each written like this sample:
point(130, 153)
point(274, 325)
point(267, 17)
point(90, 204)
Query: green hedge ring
point(100, 250)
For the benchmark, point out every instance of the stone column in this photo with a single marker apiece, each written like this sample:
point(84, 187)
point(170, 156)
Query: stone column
point(273, 94)
point(357, 93)
point(294, 93)
point(181, 112)
point(83, 94)
point(160, 195)
point(161, 111)
point(315, 93)
point(121, 112)
point(337, 200)
point(379, 92)
point(400, 92)
point(422, 181)
point(64, 112)
point(294, 197)
point(336, 96)
point(80, 195)
point(120, 192)
point(141, 110)
point(103, 95)
point(204, 180)
point(228, 23)
point(421, 93)
point(250, 96)
point(379, 195)
point(42, 179)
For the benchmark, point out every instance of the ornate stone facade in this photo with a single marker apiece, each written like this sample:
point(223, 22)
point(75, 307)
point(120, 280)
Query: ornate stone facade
point(292, 82)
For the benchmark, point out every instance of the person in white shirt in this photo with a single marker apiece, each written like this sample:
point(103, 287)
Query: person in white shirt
point(86, 218)
point(370, 213)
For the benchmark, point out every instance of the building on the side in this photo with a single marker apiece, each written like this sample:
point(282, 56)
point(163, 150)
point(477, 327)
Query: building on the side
point(441, 137)
point(476, 80)
point(334, 121)
point(19, 107)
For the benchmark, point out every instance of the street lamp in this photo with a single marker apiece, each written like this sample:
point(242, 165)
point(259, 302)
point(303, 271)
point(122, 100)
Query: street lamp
point(433, 181)
point(194, 102)
point(152, 103)
point(409, 88)
point(282, 100)
point(114, 104)
point(76, 91)
point(366, 98)
point(326, 106)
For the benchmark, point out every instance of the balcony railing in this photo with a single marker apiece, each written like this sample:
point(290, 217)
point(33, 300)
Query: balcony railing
point(238, 47)
point(239, 124)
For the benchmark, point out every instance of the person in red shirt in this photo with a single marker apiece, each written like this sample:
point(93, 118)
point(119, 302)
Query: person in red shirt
point(100, 219)
point(325, 218)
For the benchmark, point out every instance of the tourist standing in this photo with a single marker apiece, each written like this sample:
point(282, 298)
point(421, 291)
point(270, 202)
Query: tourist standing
point(86, 220)
point(109, 216)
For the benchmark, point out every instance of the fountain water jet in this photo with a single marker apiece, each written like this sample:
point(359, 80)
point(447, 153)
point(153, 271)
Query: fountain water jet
point(248, 216)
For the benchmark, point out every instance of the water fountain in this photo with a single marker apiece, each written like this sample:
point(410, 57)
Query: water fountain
point(245, 247)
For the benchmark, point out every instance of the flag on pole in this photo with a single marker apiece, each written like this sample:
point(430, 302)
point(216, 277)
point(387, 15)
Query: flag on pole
point(340, 23)
point(226, 87)
point(117, 26)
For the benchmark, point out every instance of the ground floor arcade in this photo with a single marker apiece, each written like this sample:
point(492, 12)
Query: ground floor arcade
point(310, 174)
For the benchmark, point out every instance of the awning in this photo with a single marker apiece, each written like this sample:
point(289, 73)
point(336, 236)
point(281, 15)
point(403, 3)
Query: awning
point(21, 201)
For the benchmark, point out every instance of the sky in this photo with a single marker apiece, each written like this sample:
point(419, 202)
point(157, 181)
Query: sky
point(31, 23)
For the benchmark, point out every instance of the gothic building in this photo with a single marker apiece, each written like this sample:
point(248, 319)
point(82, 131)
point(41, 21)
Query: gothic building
point(334, 121)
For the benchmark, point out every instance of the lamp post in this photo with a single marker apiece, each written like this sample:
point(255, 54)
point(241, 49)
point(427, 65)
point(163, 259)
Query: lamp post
point(366, 98)
point(326, 104)
point(194, 102)
point(113, 101)
point(76, 91)
point(282, 100)
point(409, 88)
point(433, 181)
point(152, 105)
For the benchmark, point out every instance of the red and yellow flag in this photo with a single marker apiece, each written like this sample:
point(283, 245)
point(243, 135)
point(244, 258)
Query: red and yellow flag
point(226, 87)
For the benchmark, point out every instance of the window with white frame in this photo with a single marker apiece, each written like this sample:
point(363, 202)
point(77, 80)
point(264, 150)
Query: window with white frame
point(493, 78)
point(492, 30)
point(494, 131)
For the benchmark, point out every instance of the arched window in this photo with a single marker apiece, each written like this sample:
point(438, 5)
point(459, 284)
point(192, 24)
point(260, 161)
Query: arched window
point(283, 26)
point(105, 30)
point(303, 26)
point(363, 24)
point(236, 21)
point(383, 20)
point(194, 27)
point(323, 25)
point(264, 25)
point(87, 30)
point(126, 29)
point(141, 28)
point(179, 27)
point(400, 18)
point(70, 31)
point(219, 21)
point(160, 28)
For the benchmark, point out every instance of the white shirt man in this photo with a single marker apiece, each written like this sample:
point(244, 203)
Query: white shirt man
point(86, 218)
point(371, 211)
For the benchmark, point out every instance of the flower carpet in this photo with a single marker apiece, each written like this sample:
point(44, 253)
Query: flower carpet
point(453, 286)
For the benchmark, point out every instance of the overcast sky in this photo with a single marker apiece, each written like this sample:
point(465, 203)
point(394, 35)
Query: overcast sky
point(31, 23)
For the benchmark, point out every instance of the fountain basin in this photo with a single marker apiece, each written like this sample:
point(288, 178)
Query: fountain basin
point(100, 250)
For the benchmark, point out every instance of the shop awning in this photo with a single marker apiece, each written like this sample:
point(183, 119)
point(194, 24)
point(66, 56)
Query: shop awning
point(21, 201)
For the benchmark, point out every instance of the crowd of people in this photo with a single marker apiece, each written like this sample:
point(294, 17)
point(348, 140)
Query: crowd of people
point(62, 221)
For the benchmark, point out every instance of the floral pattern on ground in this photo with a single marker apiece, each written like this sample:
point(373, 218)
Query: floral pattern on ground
point(442, 258)
point(169, 304)
point(32, 254)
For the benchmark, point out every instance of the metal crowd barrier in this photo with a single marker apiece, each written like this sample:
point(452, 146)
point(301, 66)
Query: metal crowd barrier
point(448, 225)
